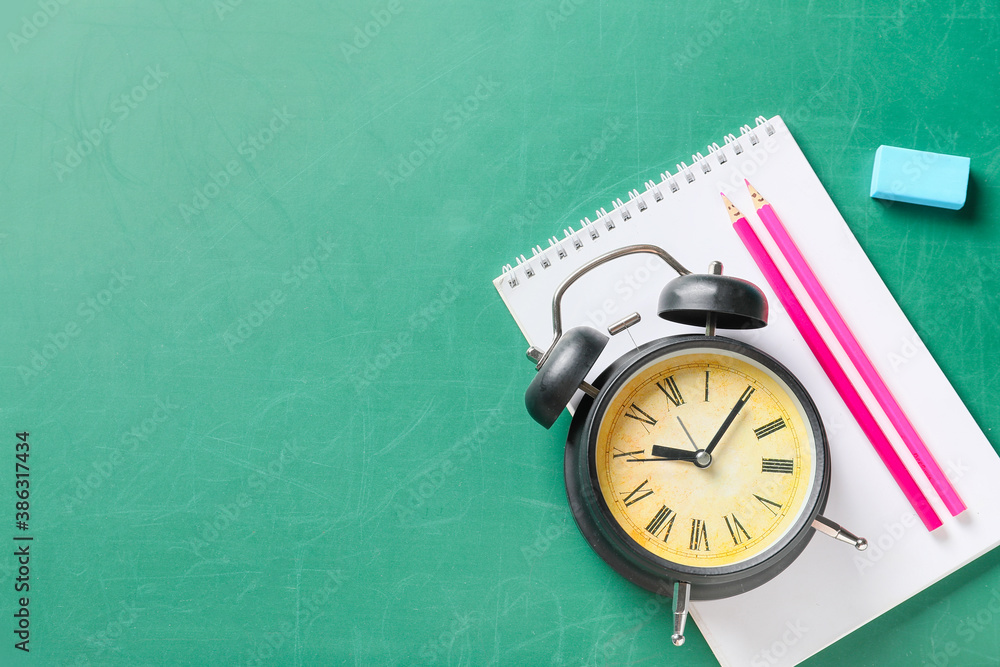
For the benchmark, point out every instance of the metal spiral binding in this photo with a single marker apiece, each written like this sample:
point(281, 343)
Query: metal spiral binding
point(545, 261)
point(570, 234)
point(604, 221)
point(528, 271)
point(747, 131)
point(652, 187)
point(623, 211)
point(713, 149)
point(698, 158)
point(731, 141)
point(560, 251)
point(671, 183)
point(637, 198)
point(602, 216)
point(683, 169)
point(512, 280)
point(760, 120)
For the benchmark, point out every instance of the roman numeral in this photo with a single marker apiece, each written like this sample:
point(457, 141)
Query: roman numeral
point(769, 428)
point(664, 518)
point(737, 530)
point(637, 494)
point(706, 386)
point(699, 536)
point(620, 453)
point(670, 390)
point(643, 416)
point(770, 505)
point(777, 465)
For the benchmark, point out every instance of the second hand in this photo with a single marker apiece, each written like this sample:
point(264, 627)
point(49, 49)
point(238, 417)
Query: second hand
point(686, 433)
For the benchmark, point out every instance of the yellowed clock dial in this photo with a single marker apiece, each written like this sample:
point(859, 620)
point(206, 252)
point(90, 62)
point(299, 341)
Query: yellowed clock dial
point(750, 494)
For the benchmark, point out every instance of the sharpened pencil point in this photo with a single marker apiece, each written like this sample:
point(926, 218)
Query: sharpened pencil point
point(758, 201)
point(734, 213)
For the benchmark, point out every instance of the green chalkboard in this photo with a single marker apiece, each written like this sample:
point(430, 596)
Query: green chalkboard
point(274, 403)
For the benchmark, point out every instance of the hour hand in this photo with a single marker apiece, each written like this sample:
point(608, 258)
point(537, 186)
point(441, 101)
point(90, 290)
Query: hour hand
point(673, 454)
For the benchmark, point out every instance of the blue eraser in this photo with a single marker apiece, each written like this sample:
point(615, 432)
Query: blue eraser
point(920, 177)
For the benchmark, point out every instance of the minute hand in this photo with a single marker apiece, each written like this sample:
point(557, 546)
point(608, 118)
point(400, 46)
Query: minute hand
point(729, 419)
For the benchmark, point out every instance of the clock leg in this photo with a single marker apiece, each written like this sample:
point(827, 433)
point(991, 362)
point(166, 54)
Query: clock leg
point(838, 532)
point(682, 595)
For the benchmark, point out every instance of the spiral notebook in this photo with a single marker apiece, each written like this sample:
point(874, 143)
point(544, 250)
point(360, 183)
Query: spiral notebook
point(830, 590)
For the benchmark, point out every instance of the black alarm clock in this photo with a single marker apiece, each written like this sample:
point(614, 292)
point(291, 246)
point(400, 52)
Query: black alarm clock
point(695, 464)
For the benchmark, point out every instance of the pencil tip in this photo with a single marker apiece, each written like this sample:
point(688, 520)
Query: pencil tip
point(734, 213)
point(755, 196)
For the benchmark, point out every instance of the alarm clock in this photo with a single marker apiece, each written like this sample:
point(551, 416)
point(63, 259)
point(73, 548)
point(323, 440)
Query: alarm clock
point(696, 465)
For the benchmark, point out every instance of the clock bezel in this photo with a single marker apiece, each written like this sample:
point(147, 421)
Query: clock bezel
point(610, 540)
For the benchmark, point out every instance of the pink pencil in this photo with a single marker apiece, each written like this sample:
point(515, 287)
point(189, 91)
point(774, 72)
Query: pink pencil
point(857, 356)
point(833, 370)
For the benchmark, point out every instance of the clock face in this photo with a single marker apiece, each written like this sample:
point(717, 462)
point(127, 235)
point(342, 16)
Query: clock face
point(736, 507)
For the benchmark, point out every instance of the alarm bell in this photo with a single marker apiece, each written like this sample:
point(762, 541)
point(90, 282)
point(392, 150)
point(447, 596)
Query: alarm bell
point(695, 298)
point(568, 363)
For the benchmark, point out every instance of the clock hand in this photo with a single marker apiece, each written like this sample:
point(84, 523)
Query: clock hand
point(700, 458)
point(652, 459)
point(730, 418)
point(671, 454)
point(686, 432)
